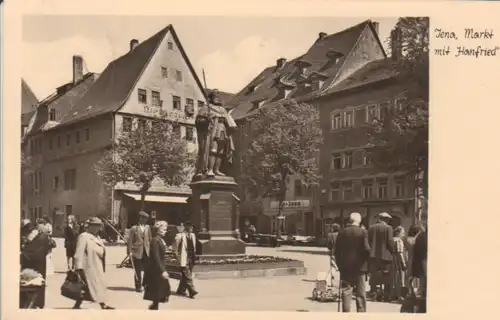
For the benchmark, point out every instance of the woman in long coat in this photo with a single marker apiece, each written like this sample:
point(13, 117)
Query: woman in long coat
point(90, 263)
point(156, 278)
point(34, 255)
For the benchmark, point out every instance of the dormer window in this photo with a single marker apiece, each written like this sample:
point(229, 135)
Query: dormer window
point(251, 89)
point(52, 114)
point(317, 80)
point(303, 66)
point(334, 56)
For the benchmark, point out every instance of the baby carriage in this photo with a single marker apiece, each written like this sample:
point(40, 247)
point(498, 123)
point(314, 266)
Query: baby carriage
point(327, 286)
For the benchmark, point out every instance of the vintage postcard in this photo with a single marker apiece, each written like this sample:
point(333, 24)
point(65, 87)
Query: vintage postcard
point(274, 157)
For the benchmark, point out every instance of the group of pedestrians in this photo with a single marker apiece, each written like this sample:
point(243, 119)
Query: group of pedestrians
point(147, 250)
point(394, 263)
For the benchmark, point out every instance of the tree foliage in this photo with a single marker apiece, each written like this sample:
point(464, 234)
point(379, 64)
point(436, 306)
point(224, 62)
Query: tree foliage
point(284, 140)
point(399, 139)
point(150, 151)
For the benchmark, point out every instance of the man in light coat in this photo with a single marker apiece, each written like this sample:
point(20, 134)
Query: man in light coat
point(185, 242)
point(139, 241)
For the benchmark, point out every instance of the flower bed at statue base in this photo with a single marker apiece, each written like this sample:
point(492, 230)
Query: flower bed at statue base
point(239, 267)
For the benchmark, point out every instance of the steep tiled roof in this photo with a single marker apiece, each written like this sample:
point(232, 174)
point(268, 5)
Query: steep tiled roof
point(372, 72)
point(116, 82)
point(61, 101)
point(263, 85)
point(28, 98)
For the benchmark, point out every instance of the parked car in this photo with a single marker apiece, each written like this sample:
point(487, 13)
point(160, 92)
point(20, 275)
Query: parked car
point(268, 240)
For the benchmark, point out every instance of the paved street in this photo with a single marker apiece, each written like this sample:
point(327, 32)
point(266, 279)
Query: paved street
point(286, 293)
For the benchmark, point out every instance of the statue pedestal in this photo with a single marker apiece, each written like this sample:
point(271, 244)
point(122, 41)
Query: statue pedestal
point(215, 208)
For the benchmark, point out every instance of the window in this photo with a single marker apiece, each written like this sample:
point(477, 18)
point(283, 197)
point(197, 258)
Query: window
point(298, 188)
point(127, 124)
point(52, 114)
point(367, 160)
point(176, 102)
point(335, 191)
point(337, 162)
point(382, 188)
point(69, 210)
point(40, 182)
point(400, 104)
point(77, 136)
point(347, 190)
point(170, 45)
point(348, 119)
point(50, 144)
point(201, 104)
point(178, 75)
point(347, 160)
point(68, 140)
point(59, 141)
point(70, 179)
point(164, 72)
point(336, 121)
point(372, 113)
point(189, 108)
point(367, 189)
point(384, 109)
point(141, 124)
point(142, 96)
point(176, 130)
point(56, 183)
point(189, 133)
point(155, 97)
point(399, 188)
point(87, 134)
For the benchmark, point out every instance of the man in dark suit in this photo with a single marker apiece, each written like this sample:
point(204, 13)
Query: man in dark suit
point(331, 237)
point(351, 253)
point(381, 247)
point(139, 241)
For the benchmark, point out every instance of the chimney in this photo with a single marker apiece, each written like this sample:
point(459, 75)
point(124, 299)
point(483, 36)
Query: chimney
point(77, 68)
point(396, 49)
point(321, 36)
point(375, 25)
point(280, 63)
point(133, 43)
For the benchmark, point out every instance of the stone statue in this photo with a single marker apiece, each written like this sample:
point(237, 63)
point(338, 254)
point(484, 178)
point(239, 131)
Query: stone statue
point(214, 127)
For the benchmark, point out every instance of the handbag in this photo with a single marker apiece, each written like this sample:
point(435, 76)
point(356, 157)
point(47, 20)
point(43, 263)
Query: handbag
point(74, 287)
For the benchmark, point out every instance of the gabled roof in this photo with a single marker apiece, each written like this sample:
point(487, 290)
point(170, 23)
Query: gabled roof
point(374, 71)
point(264, 87)
point(61, 101)
point(117, 81)
point(28, 98)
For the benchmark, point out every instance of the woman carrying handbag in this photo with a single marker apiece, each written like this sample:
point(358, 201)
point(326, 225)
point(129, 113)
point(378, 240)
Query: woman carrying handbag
point(90, 264)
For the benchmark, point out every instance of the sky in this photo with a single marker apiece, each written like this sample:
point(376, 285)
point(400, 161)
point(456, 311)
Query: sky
point(231, 50)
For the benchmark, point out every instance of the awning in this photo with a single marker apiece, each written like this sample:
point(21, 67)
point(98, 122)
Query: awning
point(205, 196)
point(157, 198)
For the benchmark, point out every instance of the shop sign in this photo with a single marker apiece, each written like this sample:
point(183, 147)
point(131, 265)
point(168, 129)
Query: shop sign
point(295, 204)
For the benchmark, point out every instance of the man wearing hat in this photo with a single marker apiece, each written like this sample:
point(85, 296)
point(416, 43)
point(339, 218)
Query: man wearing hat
point(138, 247)
point(381, 247)
point(186, 253)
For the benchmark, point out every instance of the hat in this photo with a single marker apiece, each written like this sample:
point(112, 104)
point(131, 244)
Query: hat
point(26, 226)
point(94, 221)
point(384, 215)
point(143, 214)
point(187, 224)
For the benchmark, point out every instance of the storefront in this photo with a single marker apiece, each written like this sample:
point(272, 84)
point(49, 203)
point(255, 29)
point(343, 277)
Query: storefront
point(169, 205)
point(297, 217)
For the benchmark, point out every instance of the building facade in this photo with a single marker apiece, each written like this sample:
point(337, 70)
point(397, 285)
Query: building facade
point(154, 75)
point(330, 61)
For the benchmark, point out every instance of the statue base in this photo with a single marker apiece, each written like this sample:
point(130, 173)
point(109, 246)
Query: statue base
point(215, 211)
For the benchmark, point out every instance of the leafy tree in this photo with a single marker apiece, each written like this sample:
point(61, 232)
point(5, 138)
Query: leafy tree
point(150, 151)
point(283, 142)
point(399, 138)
